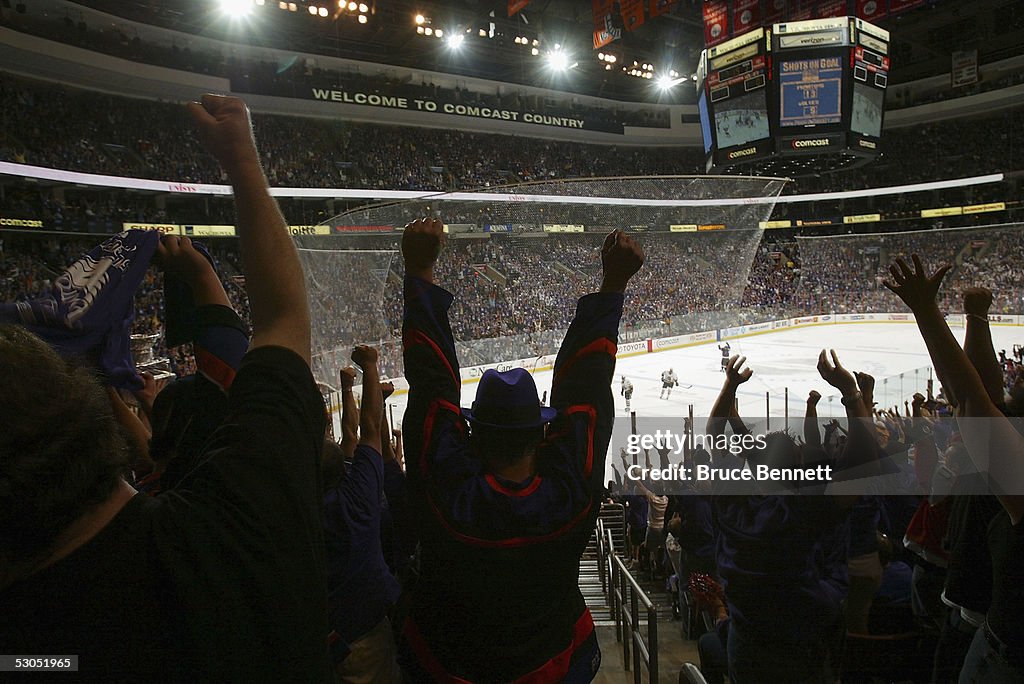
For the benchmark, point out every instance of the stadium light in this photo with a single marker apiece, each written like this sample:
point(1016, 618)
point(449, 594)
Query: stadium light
point(420, 19)
point(362, 19)
point(558, 60)
point(235, 8)
point(666, 83)
point(455, 40)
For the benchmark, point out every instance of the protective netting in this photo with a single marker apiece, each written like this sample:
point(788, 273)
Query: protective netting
point(517, 258)
point(345, 291)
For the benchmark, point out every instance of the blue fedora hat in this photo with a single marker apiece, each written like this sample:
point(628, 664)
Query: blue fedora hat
point(508, 401)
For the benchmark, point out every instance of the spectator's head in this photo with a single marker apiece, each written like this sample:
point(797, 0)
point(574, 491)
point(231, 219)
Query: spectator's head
point(61, 452)
point(507, 418)
point(701, 456)
point(1015, 401)
point(780, 451)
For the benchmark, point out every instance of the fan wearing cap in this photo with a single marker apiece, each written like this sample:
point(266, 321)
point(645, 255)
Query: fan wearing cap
point(506, 492)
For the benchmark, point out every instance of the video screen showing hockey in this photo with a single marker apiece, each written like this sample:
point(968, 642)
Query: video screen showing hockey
point(536, 341)
point(741, 119)
point(867, 110)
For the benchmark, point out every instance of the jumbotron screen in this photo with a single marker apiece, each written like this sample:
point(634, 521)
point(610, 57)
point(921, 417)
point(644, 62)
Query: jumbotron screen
point(807, 92)
point(811, 91)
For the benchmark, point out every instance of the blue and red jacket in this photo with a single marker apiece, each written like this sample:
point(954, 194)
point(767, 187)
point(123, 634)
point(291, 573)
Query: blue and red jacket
point(498, 597)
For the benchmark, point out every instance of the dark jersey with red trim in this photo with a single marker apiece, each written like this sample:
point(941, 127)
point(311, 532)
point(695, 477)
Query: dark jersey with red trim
point(498, 597)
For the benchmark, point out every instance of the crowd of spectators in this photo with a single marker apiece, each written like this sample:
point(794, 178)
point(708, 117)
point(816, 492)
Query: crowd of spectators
point(222, 533)
point(505, 287)
point(40, 126)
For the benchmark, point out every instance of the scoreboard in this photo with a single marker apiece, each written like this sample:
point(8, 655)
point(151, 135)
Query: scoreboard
point(734, 97)
point(810, 91)
point(795, 98)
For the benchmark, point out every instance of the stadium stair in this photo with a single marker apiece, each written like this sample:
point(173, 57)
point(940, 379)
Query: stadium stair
point(590, 578)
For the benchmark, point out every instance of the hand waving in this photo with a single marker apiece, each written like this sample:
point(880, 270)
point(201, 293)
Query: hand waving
point(915, 287)
point(834, 374)
point(735, 373)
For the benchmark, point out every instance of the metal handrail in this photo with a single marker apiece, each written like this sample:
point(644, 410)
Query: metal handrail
point(625, 598)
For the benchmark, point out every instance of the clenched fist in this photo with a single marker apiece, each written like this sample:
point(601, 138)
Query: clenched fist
point(225, 130)
point(422, 242)
point(621, 258)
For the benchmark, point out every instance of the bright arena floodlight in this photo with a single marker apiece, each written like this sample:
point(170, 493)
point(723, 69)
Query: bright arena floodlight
point(455, 40)
point(666, 82)
point(235, 8)
point(558, 60)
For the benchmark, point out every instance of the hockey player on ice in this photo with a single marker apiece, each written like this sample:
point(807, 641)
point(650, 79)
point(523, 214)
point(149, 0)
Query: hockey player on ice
point(669, 379)
point(725, 355)
point(627, 390)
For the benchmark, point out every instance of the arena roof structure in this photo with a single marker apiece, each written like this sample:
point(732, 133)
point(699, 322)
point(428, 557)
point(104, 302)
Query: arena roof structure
point(546, 42)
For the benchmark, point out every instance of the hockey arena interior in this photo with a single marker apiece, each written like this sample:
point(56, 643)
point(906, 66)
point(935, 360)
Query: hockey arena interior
point(531, 341)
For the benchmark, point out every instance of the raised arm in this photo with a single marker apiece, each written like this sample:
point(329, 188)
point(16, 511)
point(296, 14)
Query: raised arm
point(812, 432)
point(431, 365)
point(349, 412)
point(861, 452)
point(978, 342)
point(274, 280)
point(994, 446)
point(372, 411)
point(723, 409)
point(586, 359)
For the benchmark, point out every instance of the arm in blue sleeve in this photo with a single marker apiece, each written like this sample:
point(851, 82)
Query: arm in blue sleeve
point(359, 495)
point(582, 381)
point(586, 359)
point(220, 342)
point(431, 366)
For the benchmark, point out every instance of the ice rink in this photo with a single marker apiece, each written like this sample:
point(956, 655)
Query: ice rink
point(893, 353)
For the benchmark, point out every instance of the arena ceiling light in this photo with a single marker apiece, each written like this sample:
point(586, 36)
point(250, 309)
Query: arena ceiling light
point(559, 60)
point(455, 40)
point(235, 8)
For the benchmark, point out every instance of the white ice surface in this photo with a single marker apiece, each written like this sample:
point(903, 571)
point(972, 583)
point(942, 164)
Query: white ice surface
point(780, 360)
